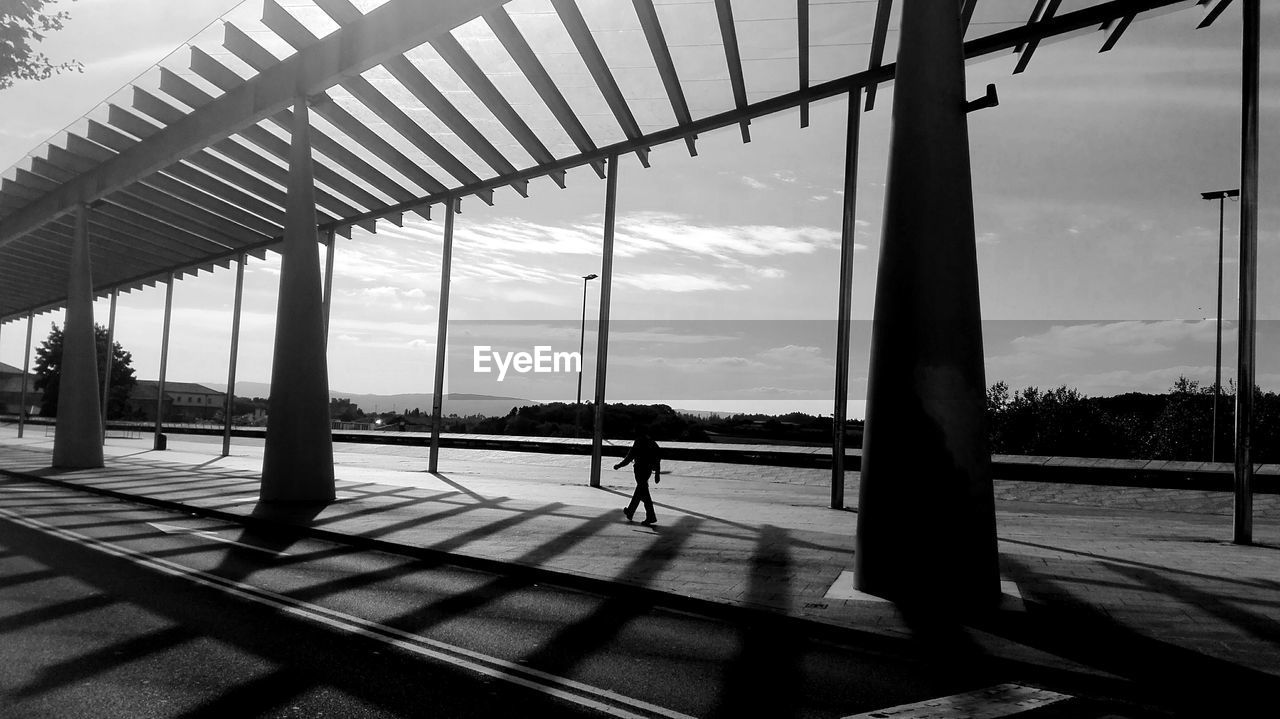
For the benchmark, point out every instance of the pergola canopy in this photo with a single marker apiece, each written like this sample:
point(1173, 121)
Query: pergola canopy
point(414, 103)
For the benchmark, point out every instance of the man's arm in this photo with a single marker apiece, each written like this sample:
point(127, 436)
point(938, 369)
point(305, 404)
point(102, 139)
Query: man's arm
point(627, 459)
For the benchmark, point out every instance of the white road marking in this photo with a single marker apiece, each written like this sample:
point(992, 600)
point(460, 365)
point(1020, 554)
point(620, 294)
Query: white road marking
point(602, 700)
point(172, 529)
point(998, 701)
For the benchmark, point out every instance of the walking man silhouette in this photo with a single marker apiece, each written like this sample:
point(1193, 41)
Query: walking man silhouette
point(644, 455)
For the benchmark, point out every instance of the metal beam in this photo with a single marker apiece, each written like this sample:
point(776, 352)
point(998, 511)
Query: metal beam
point(163, 183)
point(230, 404)
point(186, 92)
point(392, 29)
point(165, 113)
point(879, 33)
point(282, 23)
point(1036, 10)
point(1213, 9)
point(582, 39)
point(518, 48)
point(330, 243)
point(844, 302)
point(442, 336)
point(729, 36)
point(802, 63)
point(164, 362)
point(190, 227)
point(453, 53)
point(26, 370)
point(1247, 333)
point(110, 360)
point(966, 14)
point(653, 34)
point(404, 71)
point(181, 172)
point(602, 332)
point(1088, 18)
point(1046, 10)
point(224, 78)
point(1114, 29)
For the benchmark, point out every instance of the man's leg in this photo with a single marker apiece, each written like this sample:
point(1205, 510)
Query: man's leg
point(642, 489)
point(630, 509)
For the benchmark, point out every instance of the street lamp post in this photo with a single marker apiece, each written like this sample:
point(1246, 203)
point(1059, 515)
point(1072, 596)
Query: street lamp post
point(1220, 196)
point(582, 345)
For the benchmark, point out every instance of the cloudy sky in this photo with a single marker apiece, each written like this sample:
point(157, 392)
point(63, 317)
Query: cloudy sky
point(1097, 256)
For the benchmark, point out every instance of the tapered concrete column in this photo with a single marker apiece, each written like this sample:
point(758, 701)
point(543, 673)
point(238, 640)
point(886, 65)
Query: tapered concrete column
point(926, 521)
point(602, 339)
point(77, 442)
point(297, 463)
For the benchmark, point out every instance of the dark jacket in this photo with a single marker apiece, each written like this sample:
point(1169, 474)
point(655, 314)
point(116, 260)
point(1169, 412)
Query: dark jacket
point(644, 452)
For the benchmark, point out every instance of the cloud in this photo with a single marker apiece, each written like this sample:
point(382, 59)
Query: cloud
point(753, 183)
point(667, 282)
point(657, 231)
point(1154, 380)
point(790, 354)
point(1130, 337)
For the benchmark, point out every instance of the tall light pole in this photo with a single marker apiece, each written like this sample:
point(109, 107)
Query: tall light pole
point(582, 345)
point(1221, 196)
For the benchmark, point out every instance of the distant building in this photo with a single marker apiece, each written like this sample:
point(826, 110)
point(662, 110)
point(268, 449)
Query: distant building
point(11, 391)
point(183, 401)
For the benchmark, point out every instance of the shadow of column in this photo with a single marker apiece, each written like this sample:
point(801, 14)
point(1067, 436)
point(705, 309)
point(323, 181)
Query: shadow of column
point(764, 678)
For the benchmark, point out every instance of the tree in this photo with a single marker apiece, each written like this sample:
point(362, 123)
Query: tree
point(23, 22)
point(49, 372)
point(1182, 431)
point(1052, 422)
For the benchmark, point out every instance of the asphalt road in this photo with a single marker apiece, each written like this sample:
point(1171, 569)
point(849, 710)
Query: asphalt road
point(109, 609)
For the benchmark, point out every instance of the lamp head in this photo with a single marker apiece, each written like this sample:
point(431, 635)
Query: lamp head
point(1219, 194)
point(590, 276)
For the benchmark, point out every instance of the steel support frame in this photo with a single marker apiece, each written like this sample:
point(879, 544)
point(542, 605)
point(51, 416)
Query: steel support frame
point(602, 338)
point(442, 336)
point(845, 300)
point(26, 368)
point(229, 403)
point(330, 244)
point(1242, 529)
point(110, 360)
point(164, 360)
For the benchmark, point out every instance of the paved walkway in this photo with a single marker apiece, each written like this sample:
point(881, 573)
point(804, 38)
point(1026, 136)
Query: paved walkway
point(1160, 599)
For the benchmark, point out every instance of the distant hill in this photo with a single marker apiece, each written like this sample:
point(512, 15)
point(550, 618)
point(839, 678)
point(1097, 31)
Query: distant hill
point(460, 404)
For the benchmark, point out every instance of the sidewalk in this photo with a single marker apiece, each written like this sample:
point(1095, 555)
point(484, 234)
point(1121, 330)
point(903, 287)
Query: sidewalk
point(1095, 593)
